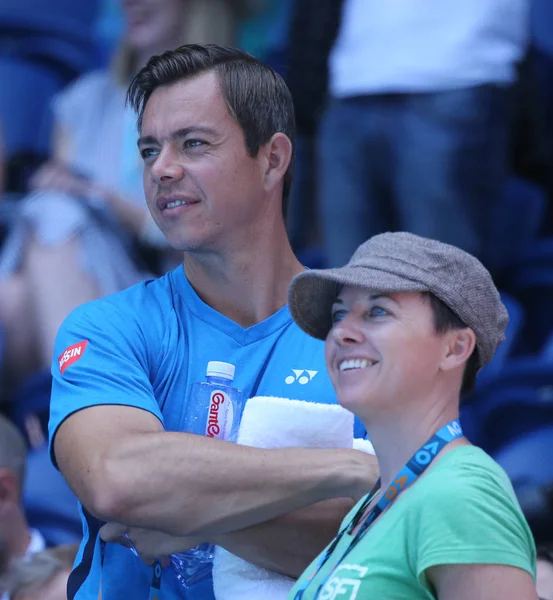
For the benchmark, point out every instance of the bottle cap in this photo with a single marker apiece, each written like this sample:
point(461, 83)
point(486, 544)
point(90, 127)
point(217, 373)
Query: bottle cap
point(220, 369)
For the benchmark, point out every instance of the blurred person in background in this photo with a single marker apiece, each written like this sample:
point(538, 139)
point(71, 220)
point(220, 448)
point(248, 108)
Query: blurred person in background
point(20, 540)
point(414, 134)
point(43, 576)
point(85, 232)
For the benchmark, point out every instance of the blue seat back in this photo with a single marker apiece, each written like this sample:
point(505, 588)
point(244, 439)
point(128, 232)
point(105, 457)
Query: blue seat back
point(529, 456)
point(25, 105)
point(541, 25)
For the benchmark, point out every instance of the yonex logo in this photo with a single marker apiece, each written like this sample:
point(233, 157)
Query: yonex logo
point(302, 376)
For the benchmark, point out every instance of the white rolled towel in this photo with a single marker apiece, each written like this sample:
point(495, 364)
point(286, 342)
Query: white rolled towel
point(270, 422)
point(363, 445)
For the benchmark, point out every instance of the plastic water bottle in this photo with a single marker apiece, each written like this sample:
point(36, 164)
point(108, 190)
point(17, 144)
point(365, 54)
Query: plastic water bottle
point(214, 410)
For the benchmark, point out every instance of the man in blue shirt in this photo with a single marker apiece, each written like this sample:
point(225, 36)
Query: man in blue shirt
point(216, 137)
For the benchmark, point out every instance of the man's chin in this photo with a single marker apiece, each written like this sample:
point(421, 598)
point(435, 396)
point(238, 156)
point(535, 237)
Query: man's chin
point(189, 246)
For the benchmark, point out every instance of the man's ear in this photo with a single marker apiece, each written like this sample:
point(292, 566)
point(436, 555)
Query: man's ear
point(460, 344)
point(278, 154)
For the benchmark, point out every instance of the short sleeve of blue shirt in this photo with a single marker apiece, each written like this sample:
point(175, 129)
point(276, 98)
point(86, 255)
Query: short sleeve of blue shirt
point(101, 357)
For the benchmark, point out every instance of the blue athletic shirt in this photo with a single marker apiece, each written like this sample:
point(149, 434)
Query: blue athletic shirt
point(145, 347)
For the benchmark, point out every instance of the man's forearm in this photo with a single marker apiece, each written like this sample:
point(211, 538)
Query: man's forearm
point(190, 485)
point(288, 544)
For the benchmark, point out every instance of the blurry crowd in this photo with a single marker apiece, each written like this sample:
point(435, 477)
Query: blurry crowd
point(434, 118)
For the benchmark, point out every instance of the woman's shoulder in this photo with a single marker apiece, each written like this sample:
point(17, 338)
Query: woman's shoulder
point(466, 473)
point(465, 511)
point(468, 459)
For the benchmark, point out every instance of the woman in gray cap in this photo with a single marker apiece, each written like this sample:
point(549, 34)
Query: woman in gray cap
point(408, 322)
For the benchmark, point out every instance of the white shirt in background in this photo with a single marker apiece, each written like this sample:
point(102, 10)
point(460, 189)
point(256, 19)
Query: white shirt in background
point(426, 45)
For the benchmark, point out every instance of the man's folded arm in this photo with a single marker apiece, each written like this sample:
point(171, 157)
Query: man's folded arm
point(124, 467)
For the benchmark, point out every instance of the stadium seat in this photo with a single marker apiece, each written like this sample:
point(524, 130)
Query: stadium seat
point(515, 402)
point(529, 456)
point(57, 17)
point(532, 285)
point(515, 223)
point(24, 105)
point(59, 34)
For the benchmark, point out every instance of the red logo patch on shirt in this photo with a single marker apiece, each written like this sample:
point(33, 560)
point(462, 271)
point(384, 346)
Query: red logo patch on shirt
point(71, 355)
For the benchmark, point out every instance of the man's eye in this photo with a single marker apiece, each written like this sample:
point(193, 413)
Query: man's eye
point(193, 143)
point(146, 153)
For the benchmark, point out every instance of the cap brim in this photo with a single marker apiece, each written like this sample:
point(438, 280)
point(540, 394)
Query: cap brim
point(312, 293)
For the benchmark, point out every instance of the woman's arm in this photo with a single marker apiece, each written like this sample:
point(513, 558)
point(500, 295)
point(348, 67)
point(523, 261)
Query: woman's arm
point(481, 582)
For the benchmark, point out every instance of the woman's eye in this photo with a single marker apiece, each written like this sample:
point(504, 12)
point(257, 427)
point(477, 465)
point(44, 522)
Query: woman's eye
point(338, 315)
point(378, 311)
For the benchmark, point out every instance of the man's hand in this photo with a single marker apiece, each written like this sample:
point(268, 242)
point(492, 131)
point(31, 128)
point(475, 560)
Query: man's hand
point(368, 473)
point(150, 545)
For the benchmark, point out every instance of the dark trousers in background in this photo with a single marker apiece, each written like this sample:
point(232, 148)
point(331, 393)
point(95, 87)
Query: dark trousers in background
point(433, 164)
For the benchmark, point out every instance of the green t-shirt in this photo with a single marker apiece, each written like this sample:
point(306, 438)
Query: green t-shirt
point(463, 510)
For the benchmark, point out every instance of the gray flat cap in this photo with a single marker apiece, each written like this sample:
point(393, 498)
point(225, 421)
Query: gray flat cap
point(403, 262)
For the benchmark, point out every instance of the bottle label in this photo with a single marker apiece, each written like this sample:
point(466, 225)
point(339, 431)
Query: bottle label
point(220, 416)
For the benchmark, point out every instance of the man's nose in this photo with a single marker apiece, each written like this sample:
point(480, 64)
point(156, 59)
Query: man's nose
point(166, 168)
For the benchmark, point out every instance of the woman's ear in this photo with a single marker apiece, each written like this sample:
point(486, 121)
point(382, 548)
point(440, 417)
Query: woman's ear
point(460, 344)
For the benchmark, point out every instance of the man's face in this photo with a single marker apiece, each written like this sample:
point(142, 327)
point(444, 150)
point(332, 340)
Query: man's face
point(382, 350)
point(201, 185)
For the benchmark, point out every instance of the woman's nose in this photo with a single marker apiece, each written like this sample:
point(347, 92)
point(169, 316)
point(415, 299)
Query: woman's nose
point(348, 331)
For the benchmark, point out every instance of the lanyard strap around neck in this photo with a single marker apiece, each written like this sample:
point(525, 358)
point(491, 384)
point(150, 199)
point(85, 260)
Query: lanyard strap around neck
point(417, 465)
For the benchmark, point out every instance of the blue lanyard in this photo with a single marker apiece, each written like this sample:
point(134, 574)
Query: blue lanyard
point(416, 466)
